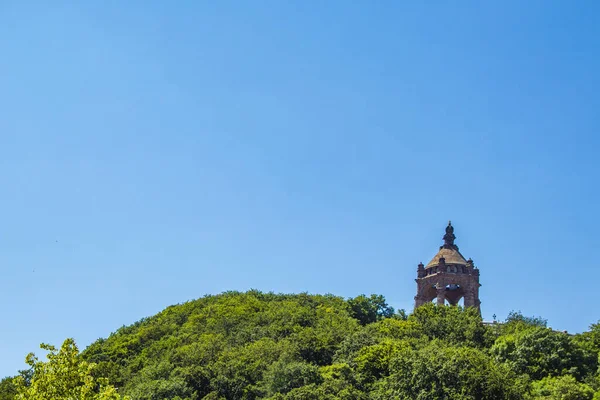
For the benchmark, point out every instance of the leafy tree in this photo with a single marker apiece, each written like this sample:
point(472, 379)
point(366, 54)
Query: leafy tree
point(540, 352)
point(159, 381)
point(401, 315)
point(336, 384)
point(255, 345)
point(283, 376)
point(8, 387)
point(518, 317)
point(395, 329)
point(561, 388)
point(8, 390)
point(516, 321)
point(446, 372)
point(589, 342)
point(373, 362)
point(318, 343)
point(374, 334)
point(370, 309)
point(63, 377)
point(453, 325)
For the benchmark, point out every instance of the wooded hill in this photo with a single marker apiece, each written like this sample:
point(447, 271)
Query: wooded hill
point(258, 345)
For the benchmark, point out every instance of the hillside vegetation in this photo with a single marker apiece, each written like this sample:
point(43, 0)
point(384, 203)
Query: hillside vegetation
point(257, 345)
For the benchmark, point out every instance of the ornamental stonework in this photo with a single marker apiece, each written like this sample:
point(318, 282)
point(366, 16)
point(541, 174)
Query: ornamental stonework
point(448, 277)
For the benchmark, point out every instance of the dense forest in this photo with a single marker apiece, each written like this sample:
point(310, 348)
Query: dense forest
point(258, 345)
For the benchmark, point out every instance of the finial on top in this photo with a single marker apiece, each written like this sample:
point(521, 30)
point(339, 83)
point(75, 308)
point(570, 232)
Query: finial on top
point(449, 237)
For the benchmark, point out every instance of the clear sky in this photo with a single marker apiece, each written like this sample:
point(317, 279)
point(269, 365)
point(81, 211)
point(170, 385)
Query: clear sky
point(154, 152)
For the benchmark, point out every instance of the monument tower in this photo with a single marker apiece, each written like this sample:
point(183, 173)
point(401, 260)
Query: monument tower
point(448, 277)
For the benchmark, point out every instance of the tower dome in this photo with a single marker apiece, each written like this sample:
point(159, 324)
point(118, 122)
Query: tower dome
point(449, 250)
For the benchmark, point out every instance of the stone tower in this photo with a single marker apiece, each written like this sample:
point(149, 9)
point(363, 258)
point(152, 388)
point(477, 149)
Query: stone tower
point(448, 277)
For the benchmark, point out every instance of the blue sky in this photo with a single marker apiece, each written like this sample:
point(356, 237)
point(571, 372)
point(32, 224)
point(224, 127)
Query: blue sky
point(152, 153)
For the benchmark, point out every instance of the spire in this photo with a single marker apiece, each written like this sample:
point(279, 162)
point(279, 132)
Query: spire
point(449, 238)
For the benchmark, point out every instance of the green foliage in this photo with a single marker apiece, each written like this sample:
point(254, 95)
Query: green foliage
point(373, 362)
point(283, 376)
point(63, 377)
point(438, 371)
point(516, 317)
point(233, 346)
point(540, 352)
point(453, 325)
point(589, 343)
point(561, 388)
point(254, 345)
point(336, 383)
point(370, 309)
point(8, 389)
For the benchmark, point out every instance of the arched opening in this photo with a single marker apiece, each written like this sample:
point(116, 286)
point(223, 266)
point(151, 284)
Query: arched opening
point(455, 294)
point(446, 302)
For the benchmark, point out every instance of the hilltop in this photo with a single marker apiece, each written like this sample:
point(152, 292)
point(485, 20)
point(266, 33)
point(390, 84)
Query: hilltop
point(256, 345)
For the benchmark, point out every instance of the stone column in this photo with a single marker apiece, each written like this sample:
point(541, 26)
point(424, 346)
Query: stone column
point(419, 301)
point(476, 301)
point(469, 299)
point(441, 294)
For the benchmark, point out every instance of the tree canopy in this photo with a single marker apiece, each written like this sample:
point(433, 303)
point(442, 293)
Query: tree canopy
point(65, 376)
point(257, 345)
